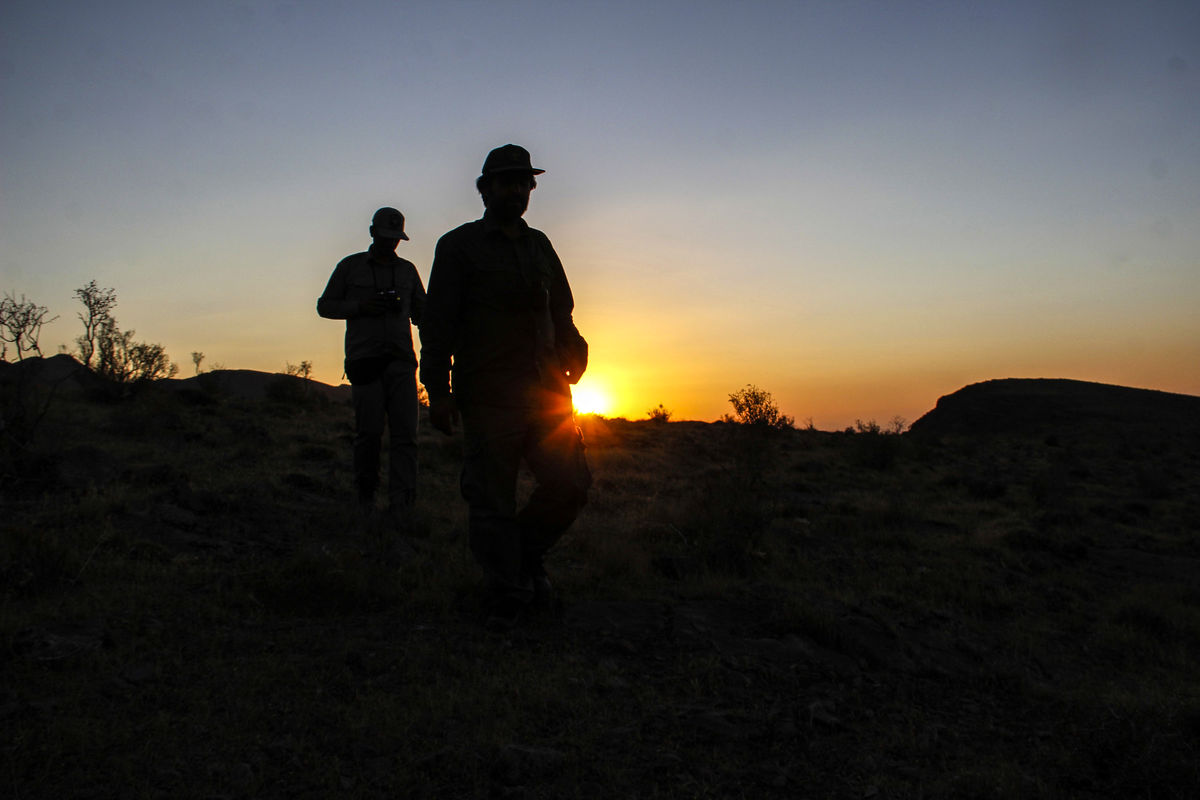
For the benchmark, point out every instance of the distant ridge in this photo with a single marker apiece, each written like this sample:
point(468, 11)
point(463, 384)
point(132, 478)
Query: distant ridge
point(252, 384)
point(1041, 406)
point(66, 374)
point(62, 372)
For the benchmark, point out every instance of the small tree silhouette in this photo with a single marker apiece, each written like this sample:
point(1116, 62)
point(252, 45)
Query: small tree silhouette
point(97, 308)
point(22, 403)
point(755, 406)
point(21, 324)
point(197, 358)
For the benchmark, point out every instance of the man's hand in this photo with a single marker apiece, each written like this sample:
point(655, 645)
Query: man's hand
point(443, 414)
point(375, 306)
point(573, 362)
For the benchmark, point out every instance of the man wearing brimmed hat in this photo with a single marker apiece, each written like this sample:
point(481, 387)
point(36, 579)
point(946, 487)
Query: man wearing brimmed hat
point(378, 294)
point(499, 308)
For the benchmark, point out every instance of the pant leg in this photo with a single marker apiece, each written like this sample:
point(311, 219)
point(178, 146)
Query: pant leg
point(400, 386)
point(368, 433)
point(493, 440)
point(557, 457)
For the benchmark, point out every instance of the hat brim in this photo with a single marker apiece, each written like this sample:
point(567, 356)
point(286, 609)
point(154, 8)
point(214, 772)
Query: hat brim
point(498, 170)
point(386, 233)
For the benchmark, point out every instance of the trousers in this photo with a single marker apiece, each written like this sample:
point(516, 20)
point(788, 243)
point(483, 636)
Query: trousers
point(389, 402)
point(509, 544)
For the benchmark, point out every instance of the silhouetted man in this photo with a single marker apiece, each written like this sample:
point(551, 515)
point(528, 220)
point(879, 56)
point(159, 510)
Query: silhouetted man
point(500, 306)
point(378, 293)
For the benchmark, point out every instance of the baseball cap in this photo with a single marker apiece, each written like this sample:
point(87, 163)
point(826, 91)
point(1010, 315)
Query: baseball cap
point(388, 223)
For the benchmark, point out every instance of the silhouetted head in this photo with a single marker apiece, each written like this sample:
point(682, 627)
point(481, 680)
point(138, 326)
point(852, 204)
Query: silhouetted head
point(387, 228)
point(506, 180)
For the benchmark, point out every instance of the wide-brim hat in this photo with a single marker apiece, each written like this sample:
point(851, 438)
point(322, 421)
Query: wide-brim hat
point(509, 158)
point(389, 224)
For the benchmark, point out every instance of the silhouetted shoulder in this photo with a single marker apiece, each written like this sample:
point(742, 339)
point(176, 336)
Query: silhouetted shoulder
point(352, 258)
point(468, 230)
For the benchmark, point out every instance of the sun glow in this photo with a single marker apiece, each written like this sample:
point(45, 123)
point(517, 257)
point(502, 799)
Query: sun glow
point(591, 399)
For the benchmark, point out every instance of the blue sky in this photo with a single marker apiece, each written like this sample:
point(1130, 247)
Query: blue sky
point(858, 206)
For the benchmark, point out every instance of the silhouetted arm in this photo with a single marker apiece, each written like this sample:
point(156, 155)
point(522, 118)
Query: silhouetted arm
point(571, 346)
point(416, 302)
point(440, 319)
point(333, 303)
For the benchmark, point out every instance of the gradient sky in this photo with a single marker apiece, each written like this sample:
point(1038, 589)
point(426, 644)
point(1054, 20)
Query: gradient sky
point(858, 206)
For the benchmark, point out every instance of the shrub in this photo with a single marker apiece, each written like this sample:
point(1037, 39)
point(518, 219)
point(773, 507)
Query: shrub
point(875, 447)
point(755, 406)
point(126, 361)
point(870, 427)
point(119, 357)
point(896, 426)
point(301, 370)
point(659, 414)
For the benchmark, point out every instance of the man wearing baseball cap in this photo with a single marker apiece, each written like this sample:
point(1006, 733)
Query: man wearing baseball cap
point(379, 294)
point(499, 347)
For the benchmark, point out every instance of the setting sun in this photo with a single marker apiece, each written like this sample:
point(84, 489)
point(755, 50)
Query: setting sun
point(591, 399)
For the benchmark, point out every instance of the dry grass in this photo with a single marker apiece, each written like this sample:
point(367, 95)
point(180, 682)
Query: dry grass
point(189, 609)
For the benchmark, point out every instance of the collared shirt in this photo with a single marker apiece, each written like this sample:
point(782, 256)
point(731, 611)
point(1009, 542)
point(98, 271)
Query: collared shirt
point(501, 307)
point(362, 276)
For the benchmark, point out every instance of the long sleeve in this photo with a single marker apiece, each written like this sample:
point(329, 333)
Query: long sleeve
point(440, 318)
point(333, 303)
point(562, 302)
point(572, 347)
point(416, 303)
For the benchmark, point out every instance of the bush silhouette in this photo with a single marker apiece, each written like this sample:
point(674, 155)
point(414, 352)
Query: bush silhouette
point(118, 356)
point(660, 414)
point(301, 370)
point(755, 406)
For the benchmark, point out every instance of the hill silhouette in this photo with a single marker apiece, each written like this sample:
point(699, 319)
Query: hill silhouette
point(254, 385)
point(65, 373)
point(61, 372)
point(1048, 406)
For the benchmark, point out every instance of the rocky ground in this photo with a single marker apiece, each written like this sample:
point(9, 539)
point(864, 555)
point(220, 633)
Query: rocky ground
point(189, 609)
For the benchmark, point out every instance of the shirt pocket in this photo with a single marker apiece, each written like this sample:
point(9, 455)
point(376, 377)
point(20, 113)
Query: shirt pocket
point(360, 286)
point(497, 284)
point(404, 288)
